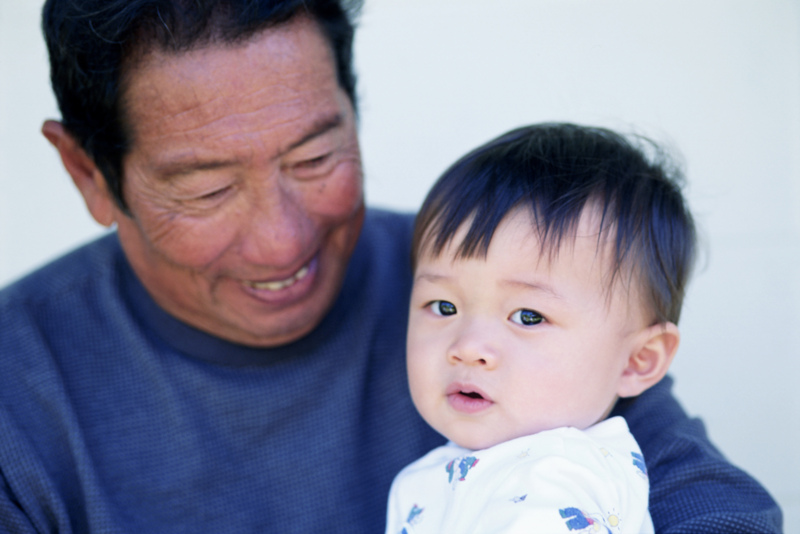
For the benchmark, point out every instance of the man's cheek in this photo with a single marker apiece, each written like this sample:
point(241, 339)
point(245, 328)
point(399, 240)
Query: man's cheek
point(193, 244)
point(340, 196)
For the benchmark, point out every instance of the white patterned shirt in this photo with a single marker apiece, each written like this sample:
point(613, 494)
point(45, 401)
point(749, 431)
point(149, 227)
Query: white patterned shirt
point(561, 480)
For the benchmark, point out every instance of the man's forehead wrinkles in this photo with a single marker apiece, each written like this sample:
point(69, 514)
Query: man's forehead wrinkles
point(197, 96)
point(232, 125)
point(209, 115)
point(196, 112)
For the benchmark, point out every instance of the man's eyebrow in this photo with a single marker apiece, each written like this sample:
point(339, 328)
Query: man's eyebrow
point(183, 167)
point(188, 165)
point(320, 127)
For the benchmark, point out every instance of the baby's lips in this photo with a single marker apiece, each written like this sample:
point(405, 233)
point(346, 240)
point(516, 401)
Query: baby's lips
point(466, 389)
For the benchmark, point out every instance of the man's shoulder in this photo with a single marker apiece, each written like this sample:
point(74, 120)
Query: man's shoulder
point(694, 488)
point(55, 313)
point(380, 222)
point(384, 248)
point(69, 274)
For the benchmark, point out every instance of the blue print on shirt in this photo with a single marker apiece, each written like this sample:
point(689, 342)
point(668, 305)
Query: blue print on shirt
point(464, 465)
point(638, 461)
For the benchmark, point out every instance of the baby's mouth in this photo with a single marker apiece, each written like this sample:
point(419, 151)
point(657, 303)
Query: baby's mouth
point(468, 399)
point(467, 391)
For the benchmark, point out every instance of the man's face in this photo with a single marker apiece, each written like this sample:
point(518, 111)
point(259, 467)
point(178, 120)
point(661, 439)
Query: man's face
point(519, 342)
point(244, 184)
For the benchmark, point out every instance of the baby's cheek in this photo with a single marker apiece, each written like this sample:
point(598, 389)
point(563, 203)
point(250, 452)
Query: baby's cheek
point(420, 370)
point(423, 396)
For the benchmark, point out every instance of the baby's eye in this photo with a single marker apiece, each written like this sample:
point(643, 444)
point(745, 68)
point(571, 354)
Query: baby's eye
point(526, 317)
point(442, 307)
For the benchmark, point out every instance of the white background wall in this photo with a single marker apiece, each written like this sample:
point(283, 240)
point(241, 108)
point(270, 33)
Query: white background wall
point(717, 79)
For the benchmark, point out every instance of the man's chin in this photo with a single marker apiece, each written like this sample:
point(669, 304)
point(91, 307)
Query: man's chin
point(276, 326)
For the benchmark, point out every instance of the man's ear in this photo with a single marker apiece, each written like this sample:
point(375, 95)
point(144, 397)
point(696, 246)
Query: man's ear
point(85, 174)
point(650, 359)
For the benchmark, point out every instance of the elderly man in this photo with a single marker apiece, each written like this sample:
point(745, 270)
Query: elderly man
point(231, 359)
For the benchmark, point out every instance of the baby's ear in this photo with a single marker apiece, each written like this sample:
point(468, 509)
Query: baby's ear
point(650, 360)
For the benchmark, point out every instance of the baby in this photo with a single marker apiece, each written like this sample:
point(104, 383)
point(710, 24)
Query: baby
point(549, 270)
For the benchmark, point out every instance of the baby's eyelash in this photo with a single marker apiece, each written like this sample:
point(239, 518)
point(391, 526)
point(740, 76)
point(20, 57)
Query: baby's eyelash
point(442, 307)
point(526, 317)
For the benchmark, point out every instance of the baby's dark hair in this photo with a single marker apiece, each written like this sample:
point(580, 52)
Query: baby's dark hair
point(555, 170)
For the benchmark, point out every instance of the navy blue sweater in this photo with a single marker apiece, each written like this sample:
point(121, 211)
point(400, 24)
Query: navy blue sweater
point(115, 417)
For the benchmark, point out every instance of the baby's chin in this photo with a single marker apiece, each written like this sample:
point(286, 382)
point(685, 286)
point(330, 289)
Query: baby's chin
point(481, 442)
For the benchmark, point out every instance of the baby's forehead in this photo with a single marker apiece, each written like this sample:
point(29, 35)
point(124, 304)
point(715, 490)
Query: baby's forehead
point(590, 232)
point(471, 237)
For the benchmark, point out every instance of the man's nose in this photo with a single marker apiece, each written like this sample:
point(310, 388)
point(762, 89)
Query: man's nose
point(277, 230)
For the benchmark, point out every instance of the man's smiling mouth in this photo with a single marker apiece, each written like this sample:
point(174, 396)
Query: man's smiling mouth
point(277, 285)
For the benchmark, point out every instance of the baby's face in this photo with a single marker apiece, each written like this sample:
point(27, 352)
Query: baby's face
point(519, 342)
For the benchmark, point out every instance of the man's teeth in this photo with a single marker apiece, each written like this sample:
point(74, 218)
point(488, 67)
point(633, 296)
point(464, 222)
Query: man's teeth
point(277, 285)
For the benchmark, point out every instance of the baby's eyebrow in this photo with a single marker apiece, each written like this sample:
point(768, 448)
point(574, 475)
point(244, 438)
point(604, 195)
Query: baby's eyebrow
point(522, 284)
point(430, 277)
